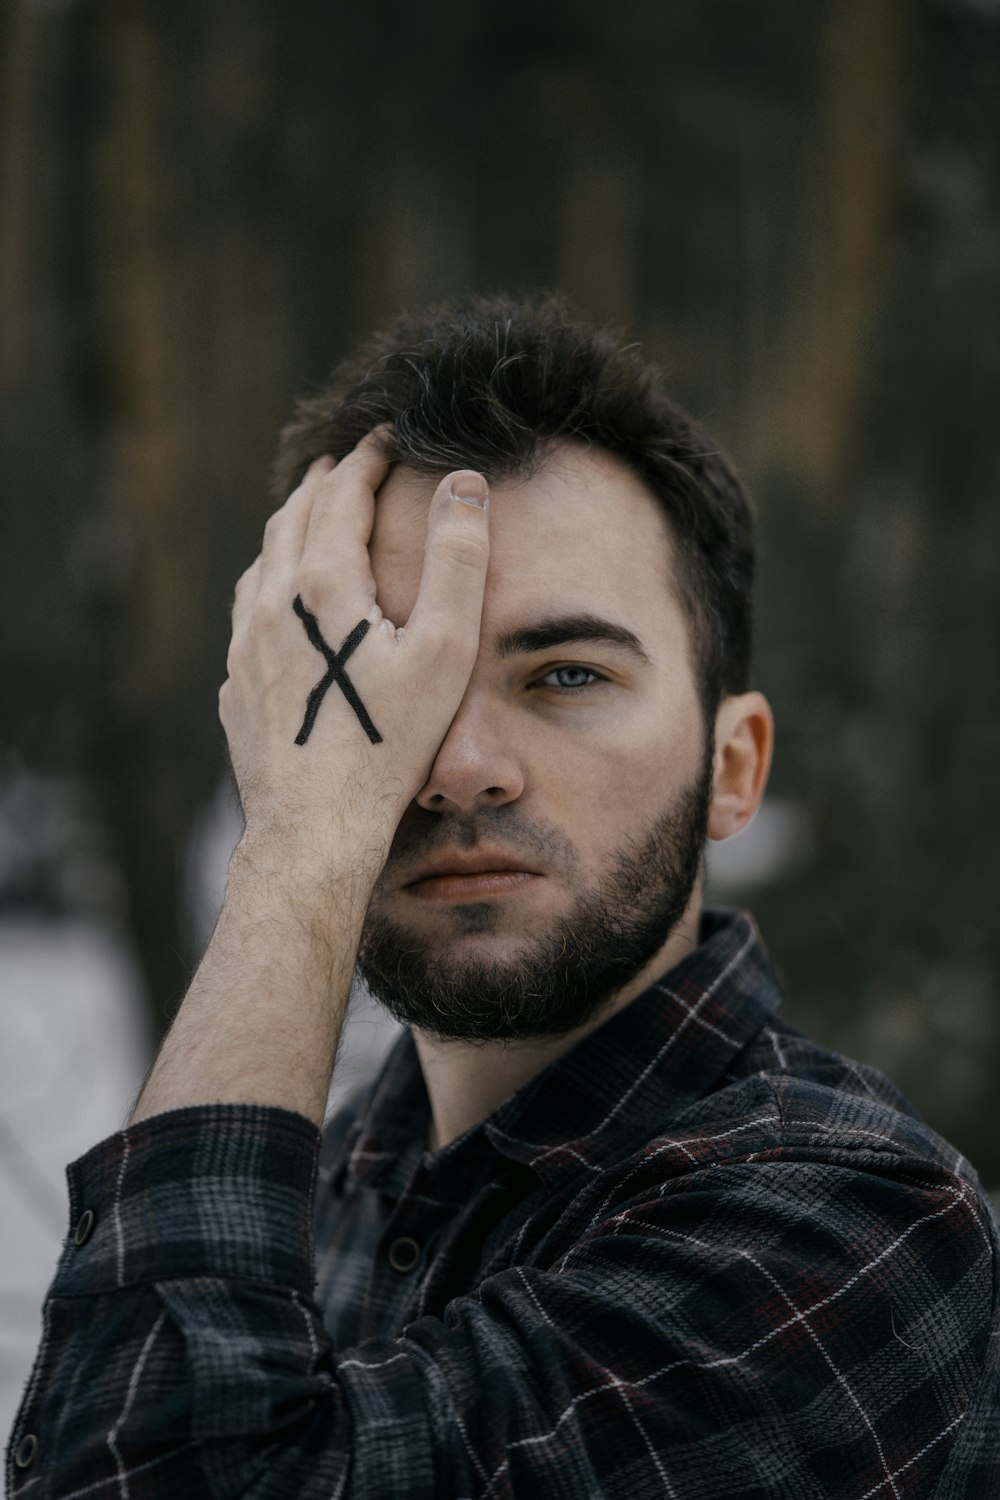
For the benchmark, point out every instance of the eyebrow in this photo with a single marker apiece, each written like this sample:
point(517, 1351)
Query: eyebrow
point(560, 629)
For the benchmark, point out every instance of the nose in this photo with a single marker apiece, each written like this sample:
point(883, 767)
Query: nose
point(476, 765)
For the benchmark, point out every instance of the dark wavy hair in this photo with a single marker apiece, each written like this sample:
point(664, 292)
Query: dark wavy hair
point(489, 383)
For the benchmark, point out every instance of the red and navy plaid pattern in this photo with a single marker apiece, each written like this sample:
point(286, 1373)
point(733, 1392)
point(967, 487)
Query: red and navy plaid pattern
point(697, 1257)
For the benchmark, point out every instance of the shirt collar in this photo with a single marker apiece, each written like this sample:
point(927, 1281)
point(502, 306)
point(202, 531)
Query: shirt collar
point(619, 1086)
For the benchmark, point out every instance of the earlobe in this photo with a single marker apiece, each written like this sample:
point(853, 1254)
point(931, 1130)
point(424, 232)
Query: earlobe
point(744, 740)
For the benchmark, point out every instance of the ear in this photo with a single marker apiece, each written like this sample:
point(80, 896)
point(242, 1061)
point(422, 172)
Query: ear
point(744, 739)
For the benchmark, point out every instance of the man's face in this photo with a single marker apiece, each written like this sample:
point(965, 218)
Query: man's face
point(583, 761)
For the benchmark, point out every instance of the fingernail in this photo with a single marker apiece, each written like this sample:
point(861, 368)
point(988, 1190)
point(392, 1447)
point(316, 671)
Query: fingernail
point(471, 488)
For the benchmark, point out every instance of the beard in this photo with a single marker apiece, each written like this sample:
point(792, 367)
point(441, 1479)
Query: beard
point(563, 979)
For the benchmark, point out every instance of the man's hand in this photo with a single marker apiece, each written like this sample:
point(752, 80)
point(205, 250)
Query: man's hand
point(334, 717)
point(333, 713)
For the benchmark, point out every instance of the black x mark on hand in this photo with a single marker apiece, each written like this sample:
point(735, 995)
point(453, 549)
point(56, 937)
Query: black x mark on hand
point(335, 664)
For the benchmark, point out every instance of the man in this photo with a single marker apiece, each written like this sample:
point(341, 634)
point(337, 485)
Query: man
point(602, 1226)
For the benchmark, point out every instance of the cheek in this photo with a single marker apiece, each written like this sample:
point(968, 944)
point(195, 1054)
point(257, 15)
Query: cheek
point(605, 798)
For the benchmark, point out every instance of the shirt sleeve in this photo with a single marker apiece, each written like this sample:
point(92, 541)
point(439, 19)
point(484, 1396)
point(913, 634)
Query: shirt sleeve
point(755, 1328)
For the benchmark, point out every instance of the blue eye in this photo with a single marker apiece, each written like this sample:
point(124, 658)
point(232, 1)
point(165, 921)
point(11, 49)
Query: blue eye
point(571, 672)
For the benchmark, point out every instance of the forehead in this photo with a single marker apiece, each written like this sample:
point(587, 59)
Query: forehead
point(582, 532)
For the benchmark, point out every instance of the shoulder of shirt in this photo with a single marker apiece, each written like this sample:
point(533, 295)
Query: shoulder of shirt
point(788, 1100)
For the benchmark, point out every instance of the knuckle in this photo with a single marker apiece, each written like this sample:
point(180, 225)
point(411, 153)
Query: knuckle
point(313, 580)
point(465, 551)
point(436, 636)
point(449, 649)
point(267, 609)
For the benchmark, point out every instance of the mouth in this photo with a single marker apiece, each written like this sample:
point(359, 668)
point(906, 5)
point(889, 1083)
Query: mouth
point(460, 877)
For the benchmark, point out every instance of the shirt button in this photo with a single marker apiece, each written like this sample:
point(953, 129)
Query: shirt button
point(24, 1455)
point(404, 1253)
point(85, 1227)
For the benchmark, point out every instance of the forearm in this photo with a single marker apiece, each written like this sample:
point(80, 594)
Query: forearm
point(262, 1019)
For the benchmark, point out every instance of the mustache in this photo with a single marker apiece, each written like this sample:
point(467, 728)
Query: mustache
point(426, 834)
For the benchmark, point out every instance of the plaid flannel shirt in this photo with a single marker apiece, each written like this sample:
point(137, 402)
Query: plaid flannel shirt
point(698, 1256)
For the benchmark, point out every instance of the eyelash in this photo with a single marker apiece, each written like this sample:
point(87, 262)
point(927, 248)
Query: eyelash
point(581, 687)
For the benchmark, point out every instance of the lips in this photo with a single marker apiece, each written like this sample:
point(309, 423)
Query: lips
point(472, 864)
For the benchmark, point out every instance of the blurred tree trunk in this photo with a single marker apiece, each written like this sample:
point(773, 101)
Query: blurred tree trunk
point(802, 418)
point(153, 786)
point(193, 363)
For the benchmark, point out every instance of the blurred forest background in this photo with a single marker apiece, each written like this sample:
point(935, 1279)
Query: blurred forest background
point(793, 204)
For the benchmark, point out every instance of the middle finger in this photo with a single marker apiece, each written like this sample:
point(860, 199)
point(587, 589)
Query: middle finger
point(335, 553)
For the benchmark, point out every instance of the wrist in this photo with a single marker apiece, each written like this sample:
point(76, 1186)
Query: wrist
point(261, 1020)
point(309, 877)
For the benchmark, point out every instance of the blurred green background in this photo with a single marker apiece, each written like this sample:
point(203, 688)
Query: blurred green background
point(792, 204)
